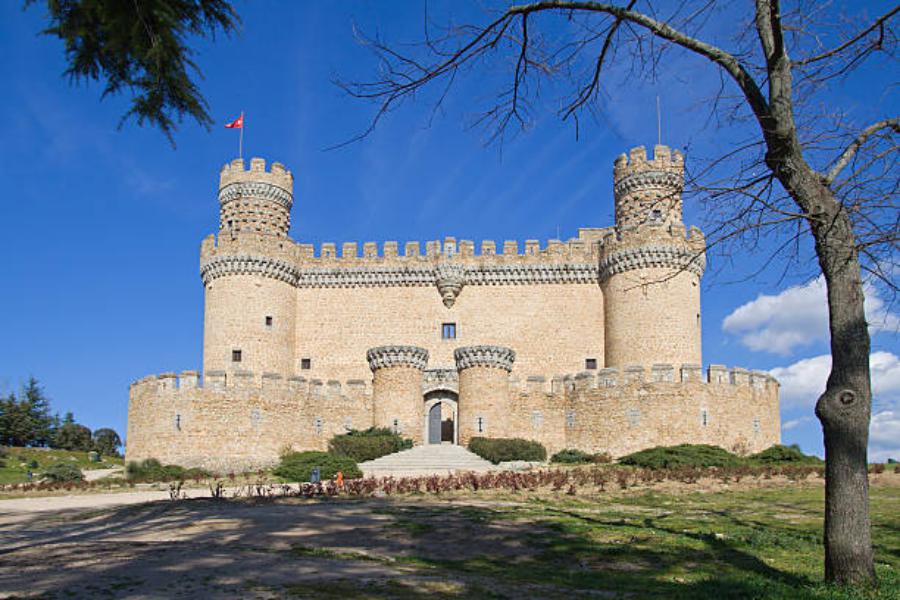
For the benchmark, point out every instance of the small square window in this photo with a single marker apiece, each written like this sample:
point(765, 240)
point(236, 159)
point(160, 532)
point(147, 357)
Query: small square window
point(590, 364)
point(448, 331)
point(235, 356)
point(268, 321)
point(306, 363)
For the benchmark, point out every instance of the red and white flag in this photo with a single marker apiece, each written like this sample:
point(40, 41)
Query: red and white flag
point(237, 123)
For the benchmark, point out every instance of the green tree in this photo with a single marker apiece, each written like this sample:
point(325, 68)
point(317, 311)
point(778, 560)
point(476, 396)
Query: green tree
point(74, 436)
point(25, 419)
point(37, 408)
point(139, 48)
point(107, 442)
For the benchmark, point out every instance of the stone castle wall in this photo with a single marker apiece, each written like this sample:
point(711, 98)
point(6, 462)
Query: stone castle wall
point(241, 422)
point(623, 299)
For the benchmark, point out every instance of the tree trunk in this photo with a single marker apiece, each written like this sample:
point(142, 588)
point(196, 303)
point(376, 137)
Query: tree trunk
point(844, 409)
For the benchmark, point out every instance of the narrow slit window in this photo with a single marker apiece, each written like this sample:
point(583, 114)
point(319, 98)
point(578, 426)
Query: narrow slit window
point(236, 356)
point(448, 331)
point(479, 424)
point(704, 417)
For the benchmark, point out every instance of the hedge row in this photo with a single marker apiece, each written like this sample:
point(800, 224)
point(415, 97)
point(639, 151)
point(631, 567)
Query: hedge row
point(499, 450)
point(368, 444)
point(703, 455)
point(298, 466)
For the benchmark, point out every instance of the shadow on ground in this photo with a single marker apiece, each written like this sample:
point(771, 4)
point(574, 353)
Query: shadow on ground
point(372, 548)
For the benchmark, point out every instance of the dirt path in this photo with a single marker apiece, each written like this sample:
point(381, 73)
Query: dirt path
point(127, 546)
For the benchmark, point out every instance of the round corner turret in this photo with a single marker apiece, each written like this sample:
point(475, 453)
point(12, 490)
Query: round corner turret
point(255, 200)
point(648, 191)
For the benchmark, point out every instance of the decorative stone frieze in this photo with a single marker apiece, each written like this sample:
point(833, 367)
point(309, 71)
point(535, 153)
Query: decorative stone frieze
point(525, 274)
point(255, 189)
point(221, 266)
point(484, 356)
point(643, 257)
point(440, 379)
point(450, 276)
point(397, 356)
point(645, 180)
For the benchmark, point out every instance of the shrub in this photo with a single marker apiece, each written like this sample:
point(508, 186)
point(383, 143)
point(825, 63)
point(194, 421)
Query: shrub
point(498, 450)
point(684, 455)
point(784, 454)
point(62, 473)
point(571, 456)
point(298, 466)
point(368, 444)
point(151, 469)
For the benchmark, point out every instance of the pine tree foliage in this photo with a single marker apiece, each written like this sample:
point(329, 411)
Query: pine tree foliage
point(139, 47)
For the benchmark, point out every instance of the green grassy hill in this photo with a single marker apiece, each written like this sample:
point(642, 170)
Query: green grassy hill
point(16, 462)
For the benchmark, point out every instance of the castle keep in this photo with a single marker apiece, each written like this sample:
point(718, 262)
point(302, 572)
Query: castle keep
point(590, 343)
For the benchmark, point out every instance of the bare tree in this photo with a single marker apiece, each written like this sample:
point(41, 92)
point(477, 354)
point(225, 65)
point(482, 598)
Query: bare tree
point(805, 167)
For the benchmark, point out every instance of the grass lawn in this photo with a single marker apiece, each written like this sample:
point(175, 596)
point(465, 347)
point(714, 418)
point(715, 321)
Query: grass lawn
point(16, 461)
point(760, 543)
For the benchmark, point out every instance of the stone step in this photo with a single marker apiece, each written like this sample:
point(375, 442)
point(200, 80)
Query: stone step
point(429, 459)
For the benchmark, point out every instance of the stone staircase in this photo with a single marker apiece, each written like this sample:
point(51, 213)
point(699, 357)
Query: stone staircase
point(429, 459)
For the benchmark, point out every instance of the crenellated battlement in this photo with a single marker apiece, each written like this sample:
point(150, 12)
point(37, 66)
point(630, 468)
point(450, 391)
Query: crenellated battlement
point(277, 174)
point(449, 264)
point(188, 381)
point(652, 246)
point(664, 160)
point(665, 374)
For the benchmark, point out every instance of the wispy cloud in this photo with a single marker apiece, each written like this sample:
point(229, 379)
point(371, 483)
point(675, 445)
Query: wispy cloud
point(797, 317)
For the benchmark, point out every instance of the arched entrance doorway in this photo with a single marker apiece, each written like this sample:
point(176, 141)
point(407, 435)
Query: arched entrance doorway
point(441, 417)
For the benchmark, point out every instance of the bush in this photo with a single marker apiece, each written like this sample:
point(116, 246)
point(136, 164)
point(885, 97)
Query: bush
point(151, 469)
point(784, 454)
point(684, 455)
point(498, 450)
point(298, 466)
point(62, 473)
point(570, 456)
point(368, 444)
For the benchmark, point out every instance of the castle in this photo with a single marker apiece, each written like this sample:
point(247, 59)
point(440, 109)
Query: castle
point(591, 343)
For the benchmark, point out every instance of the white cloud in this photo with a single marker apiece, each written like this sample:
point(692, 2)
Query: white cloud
point(803, 381)
point(796, 317)
point(794, 423)
point(884, 436)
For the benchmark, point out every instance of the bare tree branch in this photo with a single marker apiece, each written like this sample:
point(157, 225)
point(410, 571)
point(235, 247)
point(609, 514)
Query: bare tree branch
point(893, 123)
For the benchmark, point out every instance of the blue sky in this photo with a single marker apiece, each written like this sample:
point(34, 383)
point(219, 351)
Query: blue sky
point(102, 226)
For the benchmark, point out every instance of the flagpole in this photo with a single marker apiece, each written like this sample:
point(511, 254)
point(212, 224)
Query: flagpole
point(241, 138)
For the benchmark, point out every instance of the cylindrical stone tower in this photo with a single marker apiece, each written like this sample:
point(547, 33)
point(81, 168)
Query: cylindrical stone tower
point(248, 274)
point(650, 269)
point(483, 391)
point(256, 200)
point(397, 400)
